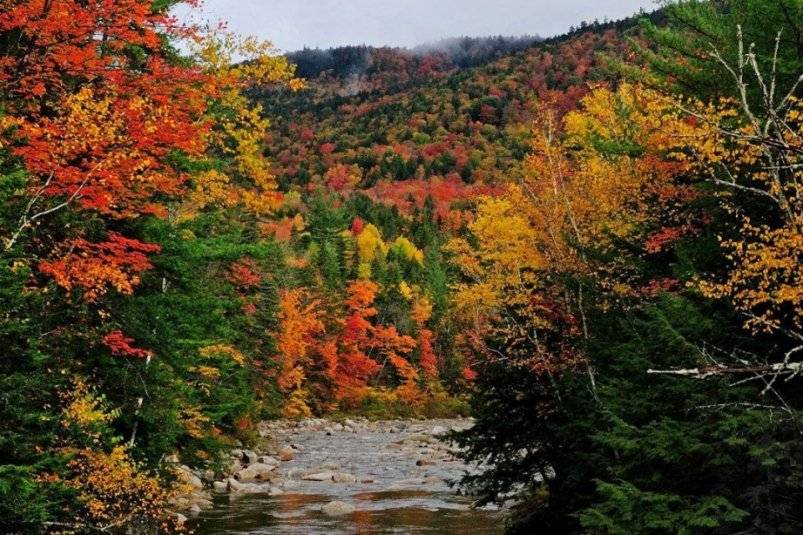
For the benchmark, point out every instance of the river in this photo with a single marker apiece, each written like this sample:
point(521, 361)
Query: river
point(393, 474)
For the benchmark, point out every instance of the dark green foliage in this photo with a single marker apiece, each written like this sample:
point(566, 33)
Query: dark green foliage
point(666, 455)
point(695, 28)
point(188, 303)
point(684, 455)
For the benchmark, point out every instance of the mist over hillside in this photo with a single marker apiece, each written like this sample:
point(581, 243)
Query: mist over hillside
point(456, 52)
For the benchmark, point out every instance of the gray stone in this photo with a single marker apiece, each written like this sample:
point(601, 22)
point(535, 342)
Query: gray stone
point(438, 430)
point(255, 471)
point(319, 476)
point(337, 509)
point(343, 477)
point(267, 459)
point(246, 488)
point(295, 473)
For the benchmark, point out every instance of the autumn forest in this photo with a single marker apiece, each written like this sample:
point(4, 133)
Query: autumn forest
point(591, 244)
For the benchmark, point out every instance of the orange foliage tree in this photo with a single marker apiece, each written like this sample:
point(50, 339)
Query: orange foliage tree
point(297, 340)
point(327, 359)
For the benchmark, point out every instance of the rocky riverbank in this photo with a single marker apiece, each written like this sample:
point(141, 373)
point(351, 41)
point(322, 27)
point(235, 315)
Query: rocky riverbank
point(334, 470)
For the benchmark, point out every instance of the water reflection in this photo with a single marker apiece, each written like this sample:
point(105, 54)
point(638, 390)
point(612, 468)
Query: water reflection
point(404, 512)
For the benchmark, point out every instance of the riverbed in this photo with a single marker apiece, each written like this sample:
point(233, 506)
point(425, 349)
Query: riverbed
point(356, 477)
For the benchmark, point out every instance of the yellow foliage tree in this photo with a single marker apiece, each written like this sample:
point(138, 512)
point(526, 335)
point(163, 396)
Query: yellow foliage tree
point(239, 126)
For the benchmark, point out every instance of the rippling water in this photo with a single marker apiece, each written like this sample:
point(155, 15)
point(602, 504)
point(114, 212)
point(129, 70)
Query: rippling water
point(377, 513)
point(396, 497)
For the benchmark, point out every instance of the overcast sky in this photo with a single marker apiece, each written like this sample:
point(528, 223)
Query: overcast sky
point(293, 24)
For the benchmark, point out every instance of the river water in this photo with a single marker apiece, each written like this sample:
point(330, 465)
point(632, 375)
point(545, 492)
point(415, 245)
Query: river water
point(396, 475)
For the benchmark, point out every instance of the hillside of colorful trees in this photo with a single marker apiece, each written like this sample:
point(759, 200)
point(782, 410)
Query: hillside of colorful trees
point(591, 243)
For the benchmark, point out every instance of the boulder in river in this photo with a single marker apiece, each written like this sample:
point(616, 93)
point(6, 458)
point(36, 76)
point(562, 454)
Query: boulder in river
point(287, 453)
point(319, 476)
point(337, 509)
point(343, 477)
point(246, 488)
point(255, 471)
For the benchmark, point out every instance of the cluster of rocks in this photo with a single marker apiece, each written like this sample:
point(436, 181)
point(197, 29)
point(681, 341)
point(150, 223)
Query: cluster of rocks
point(318, 424)
point(195, 497)
point(248, 472)
point(268, 468)
point(356, 425)
point(253, 473)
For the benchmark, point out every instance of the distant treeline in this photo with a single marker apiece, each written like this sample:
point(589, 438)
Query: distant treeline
point(458, 52)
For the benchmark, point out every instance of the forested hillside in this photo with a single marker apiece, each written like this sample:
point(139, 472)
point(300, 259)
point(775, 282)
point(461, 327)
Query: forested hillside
point(592, 242)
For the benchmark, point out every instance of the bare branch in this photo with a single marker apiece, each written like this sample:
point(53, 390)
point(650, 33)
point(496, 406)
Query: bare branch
point(704, 372)
point(26, 221)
